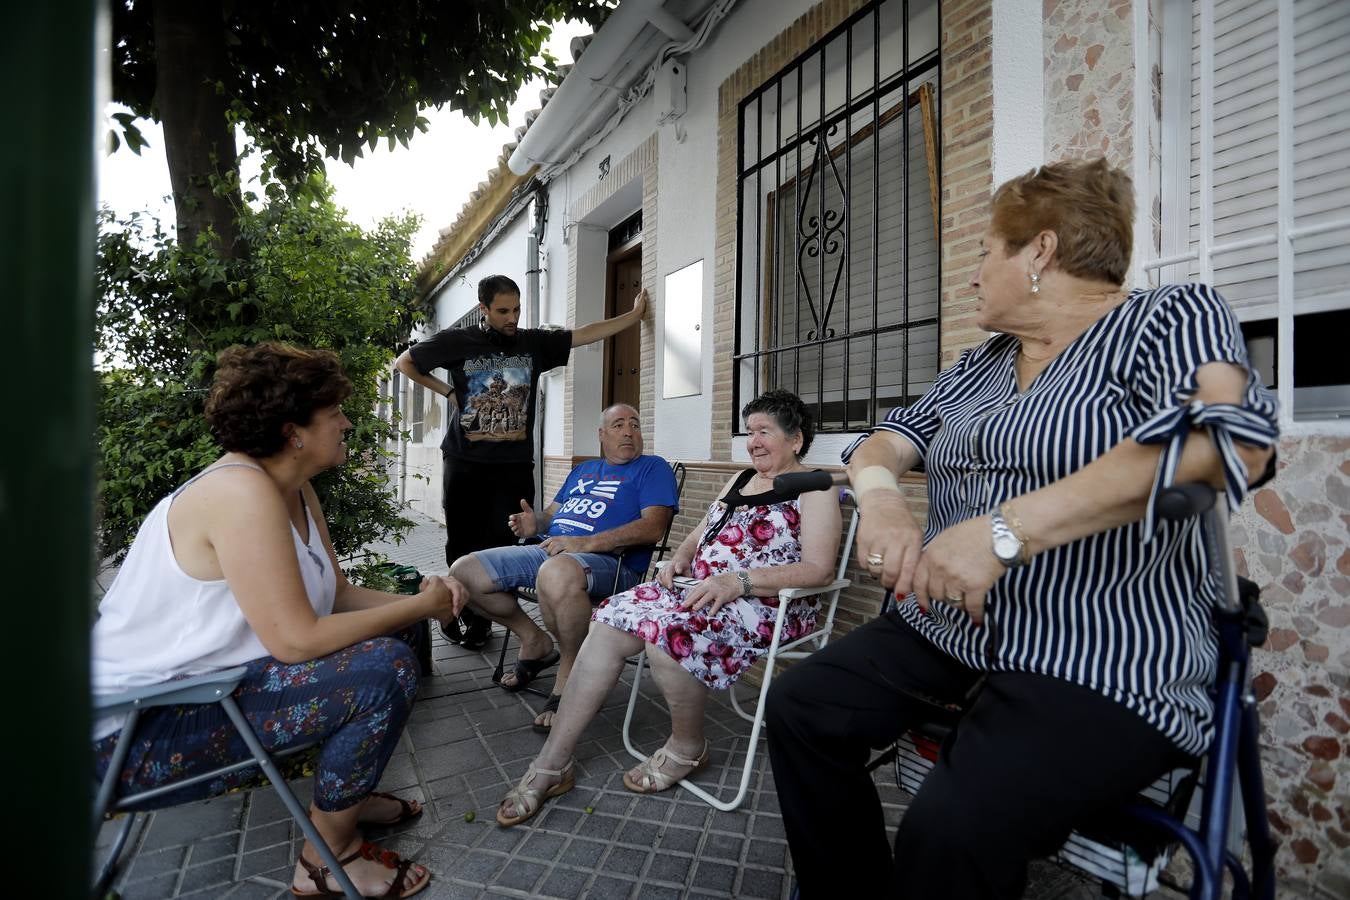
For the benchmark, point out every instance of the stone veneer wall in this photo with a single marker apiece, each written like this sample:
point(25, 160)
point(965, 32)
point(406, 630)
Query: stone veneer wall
point(1293, 538)
point(1089, 80)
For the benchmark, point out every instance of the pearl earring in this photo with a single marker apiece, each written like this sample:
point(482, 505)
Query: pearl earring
point(299, 444)
point(1035, 283)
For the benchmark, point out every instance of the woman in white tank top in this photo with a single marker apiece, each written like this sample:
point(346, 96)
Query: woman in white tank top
point(236, 568)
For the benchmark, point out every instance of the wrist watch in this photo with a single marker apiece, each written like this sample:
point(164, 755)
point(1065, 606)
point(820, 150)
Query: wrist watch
point(1007, 546)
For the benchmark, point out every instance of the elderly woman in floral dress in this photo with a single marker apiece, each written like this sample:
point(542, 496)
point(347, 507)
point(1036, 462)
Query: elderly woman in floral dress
point(708, 616)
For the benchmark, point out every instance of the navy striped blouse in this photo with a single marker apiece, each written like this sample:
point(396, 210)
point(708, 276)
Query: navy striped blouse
point(1125, 612)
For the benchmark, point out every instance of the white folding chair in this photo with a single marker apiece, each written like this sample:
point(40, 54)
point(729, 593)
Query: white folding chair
point(777, 650)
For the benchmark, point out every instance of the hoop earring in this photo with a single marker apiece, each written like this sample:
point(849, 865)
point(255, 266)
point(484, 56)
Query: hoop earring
point(1035, 283)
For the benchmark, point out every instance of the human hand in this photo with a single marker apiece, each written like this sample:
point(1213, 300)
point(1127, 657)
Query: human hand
point(640, 303)
point(564, 544)
point(524, 523)
point(714, 592)
point(959, 567)
point(665, 576)
point(447, 593)
point(887, 532)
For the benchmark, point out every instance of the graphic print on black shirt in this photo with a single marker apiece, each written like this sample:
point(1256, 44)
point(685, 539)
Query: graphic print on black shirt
point(497, 402)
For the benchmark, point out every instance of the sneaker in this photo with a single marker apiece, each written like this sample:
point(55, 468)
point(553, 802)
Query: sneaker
point(475, 630)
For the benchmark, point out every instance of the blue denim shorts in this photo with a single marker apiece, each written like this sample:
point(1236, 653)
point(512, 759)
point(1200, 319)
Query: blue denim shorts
point(518, 567)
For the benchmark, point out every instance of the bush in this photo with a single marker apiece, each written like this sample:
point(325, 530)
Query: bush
point(165, 311)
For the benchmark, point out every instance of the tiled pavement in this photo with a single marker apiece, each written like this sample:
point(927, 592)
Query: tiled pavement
point(466, 742)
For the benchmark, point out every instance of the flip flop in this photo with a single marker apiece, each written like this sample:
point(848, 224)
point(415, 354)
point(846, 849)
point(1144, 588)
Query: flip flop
point(527, 670)
point(550, 705)
point(407, 812)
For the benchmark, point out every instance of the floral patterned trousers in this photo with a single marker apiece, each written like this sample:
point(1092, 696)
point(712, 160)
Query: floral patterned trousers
point(355, 701)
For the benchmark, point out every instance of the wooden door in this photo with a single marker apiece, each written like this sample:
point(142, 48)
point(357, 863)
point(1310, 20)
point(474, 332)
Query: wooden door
point(623, 363)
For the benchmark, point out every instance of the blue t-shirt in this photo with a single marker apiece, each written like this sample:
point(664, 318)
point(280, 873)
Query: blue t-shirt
point(599, 496)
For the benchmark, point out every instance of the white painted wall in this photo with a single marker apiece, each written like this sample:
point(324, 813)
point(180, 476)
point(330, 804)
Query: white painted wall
point(1019, 94)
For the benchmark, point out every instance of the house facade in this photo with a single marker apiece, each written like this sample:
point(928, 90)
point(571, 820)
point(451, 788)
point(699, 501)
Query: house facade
point(802, 187)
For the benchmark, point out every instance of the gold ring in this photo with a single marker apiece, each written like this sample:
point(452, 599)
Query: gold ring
point(958, 600)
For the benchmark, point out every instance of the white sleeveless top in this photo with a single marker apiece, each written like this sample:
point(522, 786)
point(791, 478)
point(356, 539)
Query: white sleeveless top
point(157, 622)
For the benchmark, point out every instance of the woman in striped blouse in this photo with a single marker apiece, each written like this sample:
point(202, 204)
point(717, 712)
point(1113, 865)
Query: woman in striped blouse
point(1041, 569)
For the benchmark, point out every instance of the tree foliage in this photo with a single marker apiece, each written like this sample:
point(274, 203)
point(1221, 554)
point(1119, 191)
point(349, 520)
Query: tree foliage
point(309, 78)
point(313, 279)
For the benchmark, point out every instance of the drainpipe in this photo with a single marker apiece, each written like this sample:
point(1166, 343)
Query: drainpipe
point(582, 97)
point(532, 306)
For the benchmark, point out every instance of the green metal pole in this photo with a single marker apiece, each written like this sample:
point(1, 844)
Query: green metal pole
point(47, 57)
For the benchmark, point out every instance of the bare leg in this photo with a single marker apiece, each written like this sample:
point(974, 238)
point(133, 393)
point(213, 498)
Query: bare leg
point(501, 607)
point(595, 673)
point(567, 612)
point(339, 832)
point(686, 697)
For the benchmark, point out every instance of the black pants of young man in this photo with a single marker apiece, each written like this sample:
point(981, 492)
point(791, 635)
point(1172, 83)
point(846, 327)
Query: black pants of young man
point(1030, 759)
point(477, 498)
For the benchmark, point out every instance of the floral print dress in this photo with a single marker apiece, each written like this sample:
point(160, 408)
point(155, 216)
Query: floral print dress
point(717, 648)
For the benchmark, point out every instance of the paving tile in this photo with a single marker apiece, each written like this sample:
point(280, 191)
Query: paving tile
point(214, 873)
point(249, 890)
point(760, 883)
point(214, 848)
point(267, 836)
point(262, 861)
point(691, 814)
point(558, 819)
point(583, 853)
point(502, 839)
point(657, 892)
point(722, 846)
point(735, 822)
point(672, 867)
point(768, 826)
point(454, 758)
point(178, 825)
point(608, 887)
point(480, 868)
point(565, 883)
point(149, 865)
point(520, 874)
point(156, 888)
point(767, 853)
point(542, 845)
point(678, 840)
point(625, 861)
point(642, 834)
point(714, 876)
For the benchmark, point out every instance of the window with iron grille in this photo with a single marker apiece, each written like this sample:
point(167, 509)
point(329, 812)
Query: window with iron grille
point(837, 221)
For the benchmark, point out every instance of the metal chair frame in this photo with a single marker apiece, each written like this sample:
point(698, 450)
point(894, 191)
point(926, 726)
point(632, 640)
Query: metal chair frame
point(215, 687)
point(777, 651)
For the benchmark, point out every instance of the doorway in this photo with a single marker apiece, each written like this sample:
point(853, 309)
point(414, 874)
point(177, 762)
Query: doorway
point(623, 362)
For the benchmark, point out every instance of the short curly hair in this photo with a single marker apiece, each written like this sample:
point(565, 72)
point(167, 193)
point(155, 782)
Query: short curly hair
point(258, 389)
point(1089, 204)
point(788, 410)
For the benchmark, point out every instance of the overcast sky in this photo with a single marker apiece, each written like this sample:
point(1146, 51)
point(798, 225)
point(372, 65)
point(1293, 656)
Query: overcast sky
point(433, 176)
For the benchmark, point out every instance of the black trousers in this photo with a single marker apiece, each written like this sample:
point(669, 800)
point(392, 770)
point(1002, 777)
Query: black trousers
point(1032, 757)
point(477, 498)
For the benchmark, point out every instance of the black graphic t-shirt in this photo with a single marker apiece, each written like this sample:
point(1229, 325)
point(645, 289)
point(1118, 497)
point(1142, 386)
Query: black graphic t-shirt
point(494, 378)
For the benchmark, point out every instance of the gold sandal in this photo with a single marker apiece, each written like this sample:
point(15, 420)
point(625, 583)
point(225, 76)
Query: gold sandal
point(524, 797)
point(652, 780)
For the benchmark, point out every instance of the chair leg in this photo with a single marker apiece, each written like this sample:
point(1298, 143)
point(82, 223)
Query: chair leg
point(498, 672)
point(108, 871)
point(632, 704)
point(298, 812)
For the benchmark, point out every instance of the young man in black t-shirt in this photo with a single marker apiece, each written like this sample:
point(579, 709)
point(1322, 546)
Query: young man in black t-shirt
point(487, 452)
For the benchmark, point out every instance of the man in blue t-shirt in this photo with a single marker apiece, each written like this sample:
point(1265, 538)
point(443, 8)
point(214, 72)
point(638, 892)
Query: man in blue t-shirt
point(623, 499)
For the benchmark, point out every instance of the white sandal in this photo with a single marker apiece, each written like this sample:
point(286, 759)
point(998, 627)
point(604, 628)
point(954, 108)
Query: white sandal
point(652, 780)
point(530, 800)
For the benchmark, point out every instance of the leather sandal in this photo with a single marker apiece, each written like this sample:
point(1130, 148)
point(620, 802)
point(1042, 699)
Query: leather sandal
point(408, 810)
point(527, 801)
point(550, 706)
point(388, 858)
point(527, 670)
point(651, 777)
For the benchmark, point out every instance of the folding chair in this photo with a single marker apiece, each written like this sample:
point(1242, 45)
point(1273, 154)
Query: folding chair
point(215, 687)
point(777, 650)
point(658, 552)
